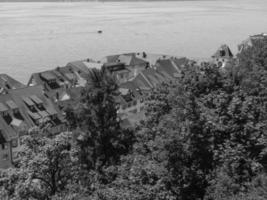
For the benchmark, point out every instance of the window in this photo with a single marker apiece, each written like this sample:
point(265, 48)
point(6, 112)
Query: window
point(18, 115)
point(5, 113)
point(41, 107)
point(3, 146)
point(7, 118)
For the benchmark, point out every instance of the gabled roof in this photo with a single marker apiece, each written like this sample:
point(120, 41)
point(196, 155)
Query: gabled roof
point(84, 66)
point(251, 40)
point(141, 82)
point(167, 66)
point(223, 52)
point(8, 82)
point(180, 61)
point(68, 80)
point(33, 96)
point(7, 131)
point(129, 59)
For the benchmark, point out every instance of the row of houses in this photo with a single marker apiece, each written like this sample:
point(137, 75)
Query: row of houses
point(22, 108)
point(42, 101)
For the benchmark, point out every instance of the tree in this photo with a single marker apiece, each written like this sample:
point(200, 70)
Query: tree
point(45, 167)
point(101, 139)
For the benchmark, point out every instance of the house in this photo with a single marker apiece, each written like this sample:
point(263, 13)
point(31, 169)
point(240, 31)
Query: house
point(7, 135)
point(134, 93)
point(171, 67)
point(133, 64)
point(119, 70)
point(250, 41)
point(8, 83)
point(20, 110)
point(63, 84)
point(223, 55)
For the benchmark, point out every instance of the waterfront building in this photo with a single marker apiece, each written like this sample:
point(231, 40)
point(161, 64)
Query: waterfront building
point(250, 41)
point(64, 84)
point(222, 56)
point(21, 109)
point(7, 83)
point(133, 65)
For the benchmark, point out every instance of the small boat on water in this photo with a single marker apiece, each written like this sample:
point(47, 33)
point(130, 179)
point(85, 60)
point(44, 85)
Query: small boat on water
point(99, 31)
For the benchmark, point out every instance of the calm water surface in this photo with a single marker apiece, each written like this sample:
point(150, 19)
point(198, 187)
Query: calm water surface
point(39, 36)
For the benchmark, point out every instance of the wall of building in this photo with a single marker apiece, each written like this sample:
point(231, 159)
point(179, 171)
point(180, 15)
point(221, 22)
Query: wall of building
point(133, 107)
point(5, 155)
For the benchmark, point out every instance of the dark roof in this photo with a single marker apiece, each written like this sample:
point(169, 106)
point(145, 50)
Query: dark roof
point(141, 82)
point(68, 80)
point(167, 66)
point(17, 98)
point(223, 52)
point(2, 138)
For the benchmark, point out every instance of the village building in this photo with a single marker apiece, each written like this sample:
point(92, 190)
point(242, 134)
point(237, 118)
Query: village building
point(64, 84)
point(133, 65)
point(134, 93)
point(20, 110)
point(8, 83)
point(222, 56)
point(250, 41)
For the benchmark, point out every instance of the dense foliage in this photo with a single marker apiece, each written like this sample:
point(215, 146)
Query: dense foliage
point(204, 137)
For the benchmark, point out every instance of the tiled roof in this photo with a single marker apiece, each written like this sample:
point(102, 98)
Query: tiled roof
point(223, 52)
point(20, 99)
point(129, 59)
point(167, 66)
point(67, 81)
point(7, 82)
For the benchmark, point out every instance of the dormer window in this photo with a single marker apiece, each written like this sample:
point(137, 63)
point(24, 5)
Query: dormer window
point(4, 113)
point(7, 117)
point(38, 102)
point(13, 106)
point(29, 104)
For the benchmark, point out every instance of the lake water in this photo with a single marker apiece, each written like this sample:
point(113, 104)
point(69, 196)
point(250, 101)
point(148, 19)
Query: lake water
point(39, 36)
